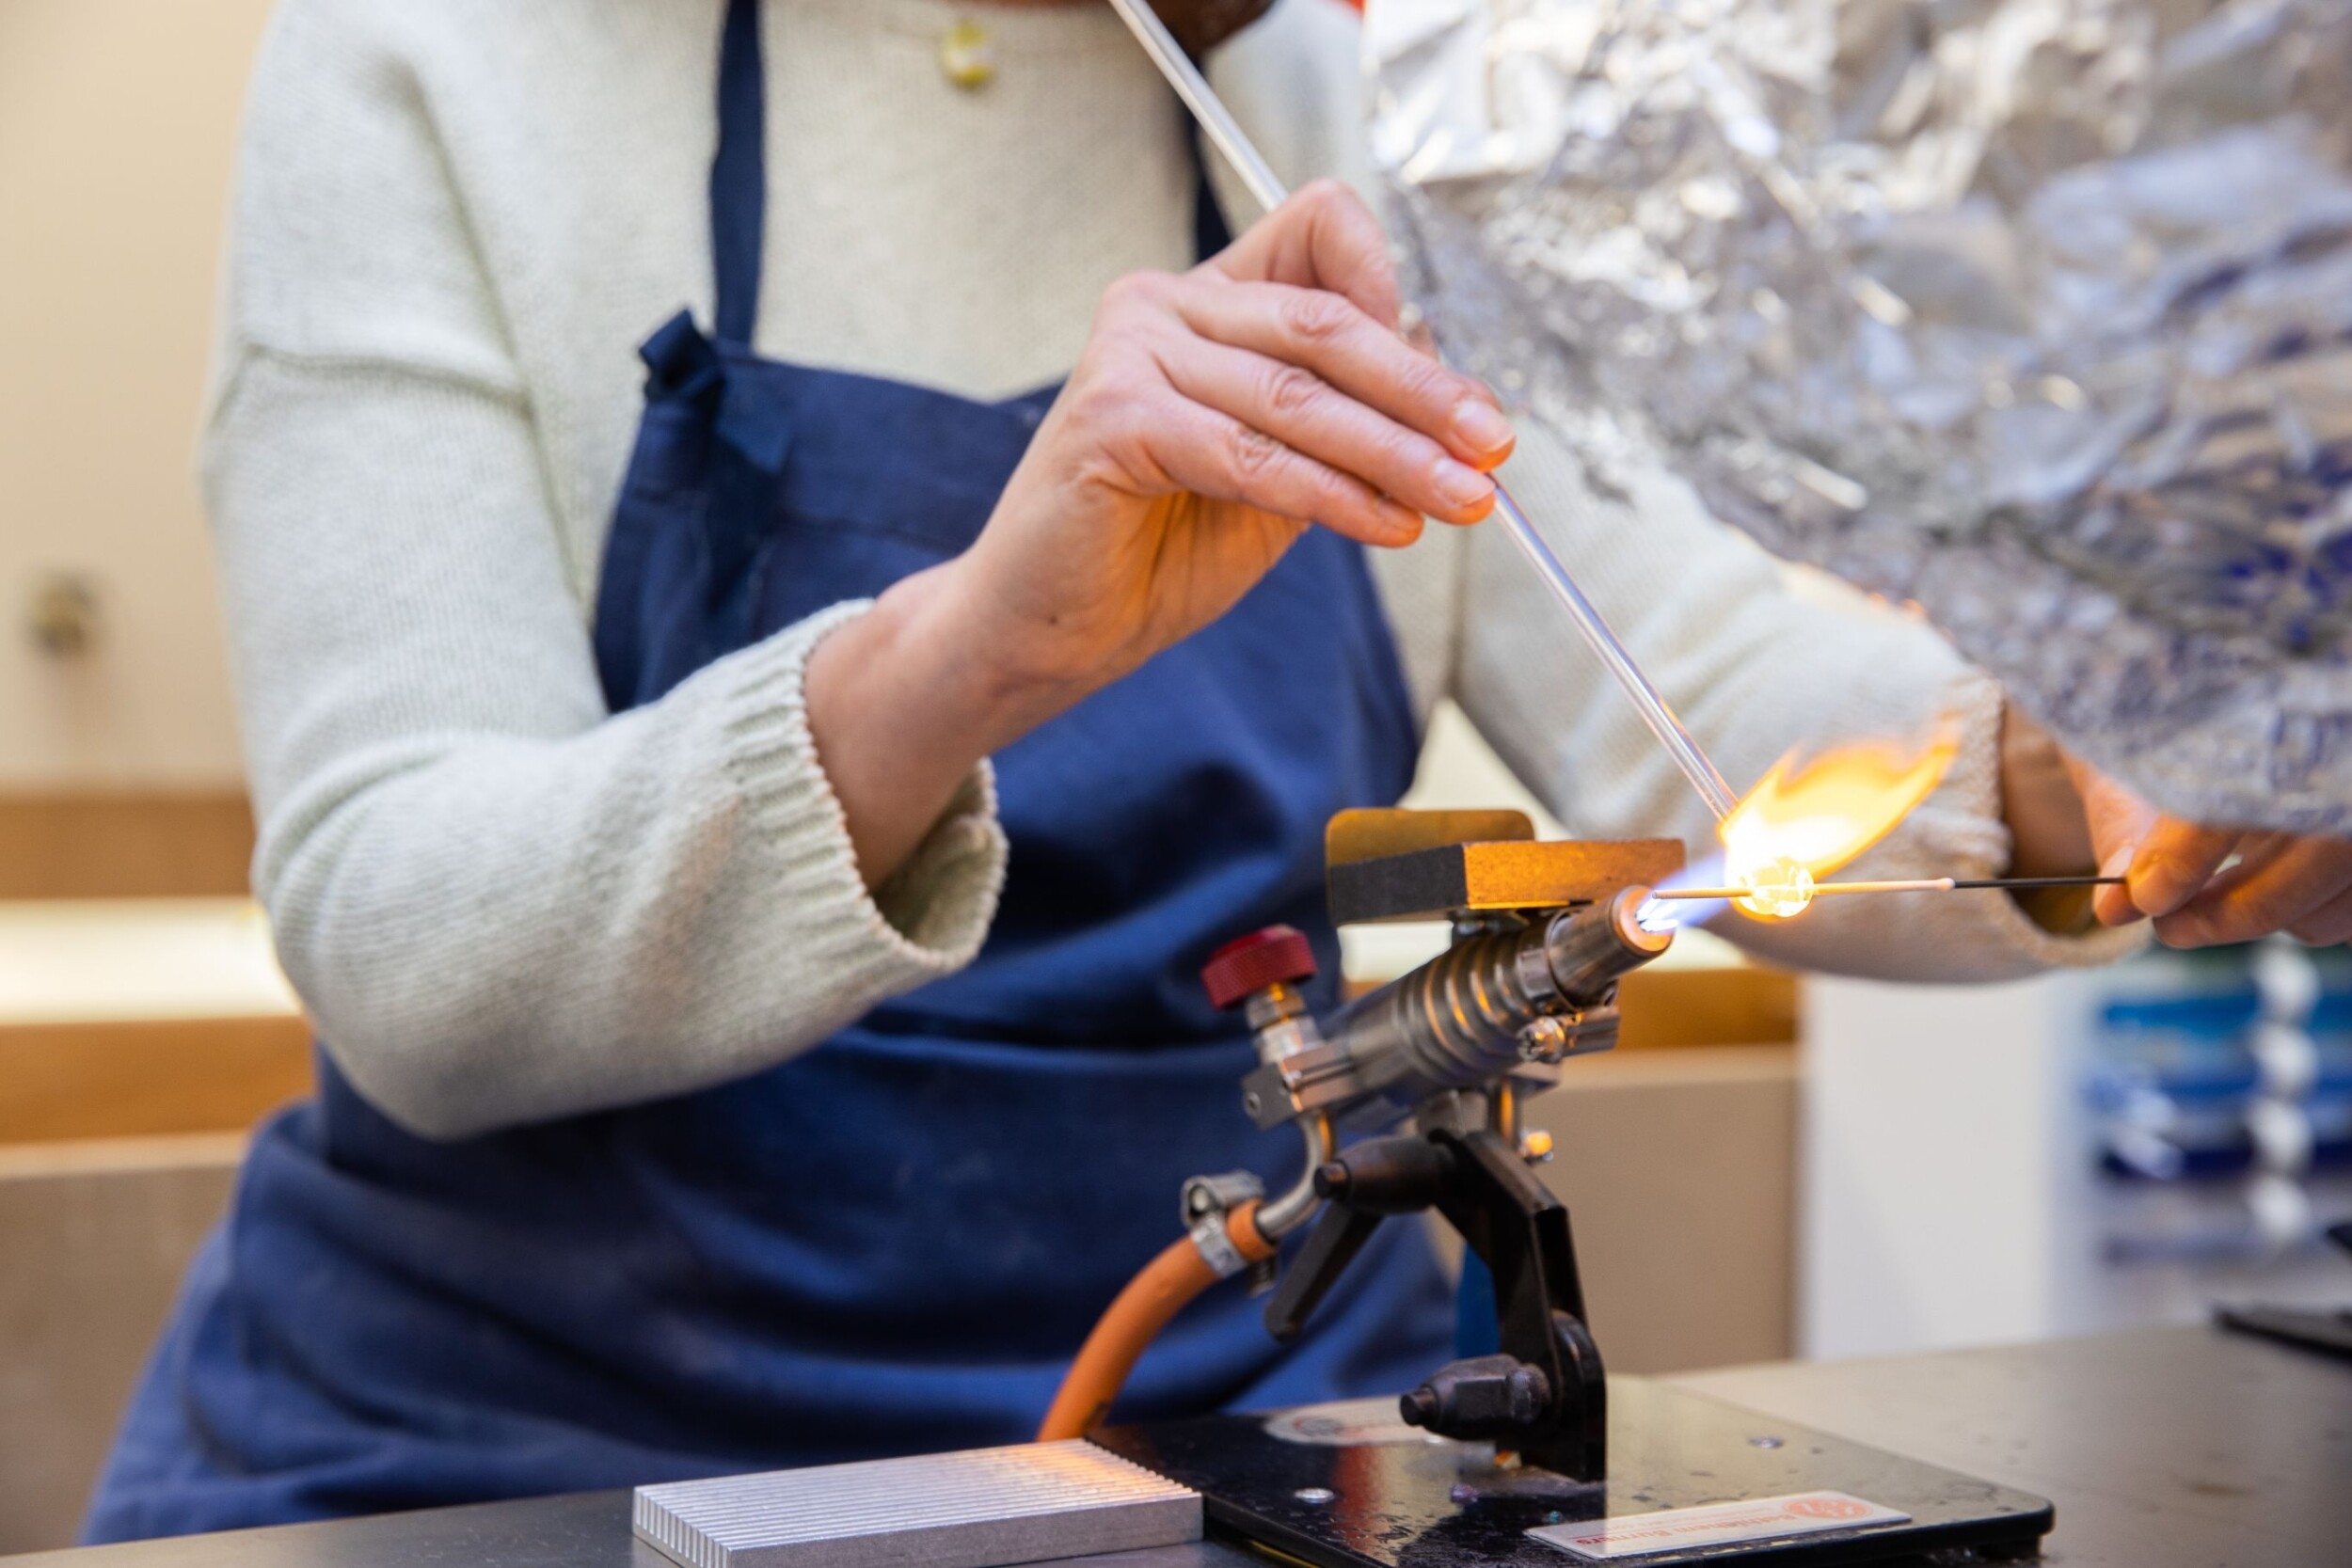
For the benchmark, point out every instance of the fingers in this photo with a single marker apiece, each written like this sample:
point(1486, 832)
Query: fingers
point(2326, 926)
point(2176, 859)
point(1214, 454)
point(2286, 882)
point(1289, 397)
point(2276, 881)
point(1307, 414)
point(1347, 350)
point(2118, 821)
point(1324, 237)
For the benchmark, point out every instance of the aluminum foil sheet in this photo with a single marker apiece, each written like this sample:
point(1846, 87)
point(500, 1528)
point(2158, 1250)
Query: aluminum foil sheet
point(2035, 313)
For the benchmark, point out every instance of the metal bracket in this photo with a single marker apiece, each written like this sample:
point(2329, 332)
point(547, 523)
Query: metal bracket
point(1301, 1083)
point(1579, 1032)
point(1206, 1202)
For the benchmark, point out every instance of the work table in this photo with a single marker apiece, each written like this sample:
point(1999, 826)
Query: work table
point(2160, 1448)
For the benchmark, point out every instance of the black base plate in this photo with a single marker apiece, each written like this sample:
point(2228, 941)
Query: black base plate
point(1351, 1488)
point(2327, 1331)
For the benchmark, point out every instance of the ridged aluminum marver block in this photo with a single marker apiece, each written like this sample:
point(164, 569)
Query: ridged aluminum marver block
point(980, 1507)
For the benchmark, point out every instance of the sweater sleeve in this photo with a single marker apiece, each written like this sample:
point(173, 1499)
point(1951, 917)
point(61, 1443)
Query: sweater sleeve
point(499, 902)
point(1755, 669)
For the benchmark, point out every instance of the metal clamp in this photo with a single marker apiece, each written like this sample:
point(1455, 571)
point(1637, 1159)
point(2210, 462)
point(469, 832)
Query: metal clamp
point(1555, 1036)
point(1300, 1084)
point(1207, 1202)
point(1217, 1249)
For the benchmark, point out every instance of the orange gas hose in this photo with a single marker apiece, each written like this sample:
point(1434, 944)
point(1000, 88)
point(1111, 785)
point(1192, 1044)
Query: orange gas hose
point(1134, 1319)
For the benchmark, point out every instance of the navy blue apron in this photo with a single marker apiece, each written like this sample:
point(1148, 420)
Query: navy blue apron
point(895, 1241)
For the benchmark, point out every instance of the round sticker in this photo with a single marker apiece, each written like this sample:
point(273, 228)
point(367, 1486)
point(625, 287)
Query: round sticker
point(1344, 1423)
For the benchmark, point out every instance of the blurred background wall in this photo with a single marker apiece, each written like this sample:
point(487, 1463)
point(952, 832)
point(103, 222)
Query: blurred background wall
point(118, 121)
point(143, 1025)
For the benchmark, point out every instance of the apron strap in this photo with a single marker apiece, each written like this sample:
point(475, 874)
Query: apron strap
point(739, 174)
point(1210, 232)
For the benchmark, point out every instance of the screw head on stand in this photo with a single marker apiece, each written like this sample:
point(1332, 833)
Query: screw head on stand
point(1277, 956)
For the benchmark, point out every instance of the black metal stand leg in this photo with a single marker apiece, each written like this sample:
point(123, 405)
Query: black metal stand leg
point(1545, 1396)
point(1521, 1231)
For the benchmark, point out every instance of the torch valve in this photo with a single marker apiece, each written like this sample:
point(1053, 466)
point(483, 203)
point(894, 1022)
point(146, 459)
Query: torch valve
point(1267, 963)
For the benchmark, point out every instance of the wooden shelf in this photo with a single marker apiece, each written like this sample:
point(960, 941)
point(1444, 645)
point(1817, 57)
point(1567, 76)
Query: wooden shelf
point(1734, 1005)
point(124, 1018)
point(145, 845)
point(125, 1080)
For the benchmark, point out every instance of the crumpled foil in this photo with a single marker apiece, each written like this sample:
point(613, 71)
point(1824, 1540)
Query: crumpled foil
point(2035, 313)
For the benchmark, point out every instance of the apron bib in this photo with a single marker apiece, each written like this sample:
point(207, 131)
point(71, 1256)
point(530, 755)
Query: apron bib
point(895, 1242)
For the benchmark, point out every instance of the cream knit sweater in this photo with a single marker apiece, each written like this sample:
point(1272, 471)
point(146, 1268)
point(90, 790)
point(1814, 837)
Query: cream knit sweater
point(455, 222)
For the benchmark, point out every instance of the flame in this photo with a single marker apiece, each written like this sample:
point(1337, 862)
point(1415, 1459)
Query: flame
point(1801, 823)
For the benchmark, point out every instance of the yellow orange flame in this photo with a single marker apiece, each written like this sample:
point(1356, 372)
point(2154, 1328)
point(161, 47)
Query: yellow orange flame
point(1802, 823)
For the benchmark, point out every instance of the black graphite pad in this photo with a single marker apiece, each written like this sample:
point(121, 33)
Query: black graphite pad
point(1431, 1505)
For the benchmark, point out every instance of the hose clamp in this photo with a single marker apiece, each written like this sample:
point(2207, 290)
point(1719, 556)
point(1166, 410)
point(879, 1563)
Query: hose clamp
point(1217, 1249)
point(1208, 1201)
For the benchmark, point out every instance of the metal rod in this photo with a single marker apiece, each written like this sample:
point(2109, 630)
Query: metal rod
point(1923, 884)
point(1234, 144)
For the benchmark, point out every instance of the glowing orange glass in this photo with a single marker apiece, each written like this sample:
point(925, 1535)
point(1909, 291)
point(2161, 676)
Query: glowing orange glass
point(1801, 823)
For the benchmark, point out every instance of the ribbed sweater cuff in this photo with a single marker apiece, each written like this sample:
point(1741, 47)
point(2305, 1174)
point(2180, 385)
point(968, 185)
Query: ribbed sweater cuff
point(931, 914)
point(1965, 818)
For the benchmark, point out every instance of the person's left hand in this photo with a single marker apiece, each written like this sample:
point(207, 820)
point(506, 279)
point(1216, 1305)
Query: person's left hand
point(2205, 886)
point(2199, 885)
point(2066, 816)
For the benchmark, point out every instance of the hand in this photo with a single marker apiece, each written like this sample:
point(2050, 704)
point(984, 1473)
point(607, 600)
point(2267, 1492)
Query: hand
point(2067, 816)
point(1211, 417)
point(2206, 886)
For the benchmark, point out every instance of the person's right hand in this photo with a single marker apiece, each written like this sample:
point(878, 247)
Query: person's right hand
point(1212, 417)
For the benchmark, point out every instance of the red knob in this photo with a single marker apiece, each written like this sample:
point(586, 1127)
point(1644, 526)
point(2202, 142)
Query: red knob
point(1278, 956)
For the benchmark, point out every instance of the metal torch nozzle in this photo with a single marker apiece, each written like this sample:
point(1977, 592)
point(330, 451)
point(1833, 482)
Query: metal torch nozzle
point(1587, 950)
point(1489, 1004)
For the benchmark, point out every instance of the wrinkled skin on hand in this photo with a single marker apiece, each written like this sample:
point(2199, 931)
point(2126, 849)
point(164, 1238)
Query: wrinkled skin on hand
point(1213, 417)
point(2202, 886)
point(2207, 886)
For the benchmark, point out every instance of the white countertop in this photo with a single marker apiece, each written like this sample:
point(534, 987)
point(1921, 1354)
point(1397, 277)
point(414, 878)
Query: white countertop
point(117, 959)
